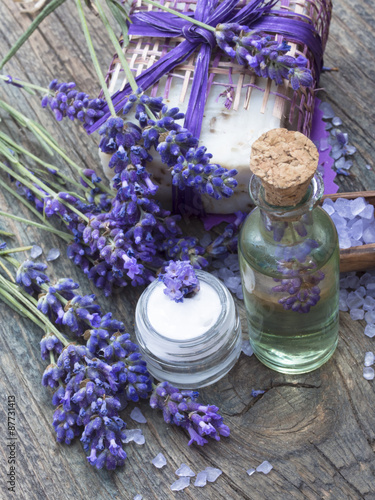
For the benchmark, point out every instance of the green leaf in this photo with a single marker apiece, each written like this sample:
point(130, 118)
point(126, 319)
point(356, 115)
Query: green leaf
point(121, 16)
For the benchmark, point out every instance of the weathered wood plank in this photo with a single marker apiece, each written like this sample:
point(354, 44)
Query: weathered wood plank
point(317, 430)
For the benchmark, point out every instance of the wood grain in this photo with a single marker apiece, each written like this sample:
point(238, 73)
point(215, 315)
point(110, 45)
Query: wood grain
point(317, 430)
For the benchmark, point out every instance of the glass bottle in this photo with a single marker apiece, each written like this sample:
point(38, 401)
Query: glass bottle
point(289, 261)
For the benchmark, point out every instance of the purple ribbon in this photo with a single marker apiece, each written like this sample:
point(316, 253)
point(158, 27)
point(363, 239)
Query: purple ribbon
point(257, 14)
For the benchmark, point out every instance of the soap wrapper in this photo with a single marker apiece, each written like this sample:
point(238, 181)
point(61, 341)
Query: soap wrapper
point(239, 106)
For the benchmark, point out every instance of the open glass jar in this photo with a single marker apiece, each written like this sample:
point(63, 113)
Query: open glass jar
point(186, 349)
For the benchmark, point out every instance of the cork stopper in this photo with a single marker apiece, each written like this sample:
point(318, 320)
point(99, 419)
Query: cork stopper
point(285, 161)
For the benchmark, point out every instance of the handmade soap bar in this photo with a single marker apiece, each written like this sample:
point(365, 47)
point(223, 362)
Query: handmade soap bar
point(239, 105)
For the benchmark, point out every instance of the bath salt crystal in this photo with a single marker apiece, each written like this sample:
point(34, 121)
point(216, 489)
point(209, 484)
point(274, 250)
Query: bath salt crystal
point(212, 474)
point(354, 302)
point(339, 222)
point(343, 306)
point(36, 251)
point(159, 461)
point(250, 471)
point(356, 314)
point(368, 167)
point(53, 254)
point(365, 279)
point(187, 319)
point(370, 317)
point(369, 358)
point(264, 467)
point(246, 348)
point(352, 282)
point(370, 330)
point(185, 471)
point(134, 435)
point(336, 121)
point(369, 303)
point(357, 205)
point(368, 373)
point(344, 238)
point(370, 285)
point(357, 230)
point(327, 111)
point(361, 291)
point(369, 234)
point(137, 416)
point(138, 497)
point(180, 484)
point(328, 208)
point(201, 479)
point(367, 212)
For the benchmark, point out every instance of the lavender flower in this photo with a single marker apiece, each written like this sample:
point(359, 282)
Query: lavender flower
point(265, 56)
point(67, 101)
point(180, 280)
point(300, 282)
point(30, 276)
point(50, 343)
point(181, 408)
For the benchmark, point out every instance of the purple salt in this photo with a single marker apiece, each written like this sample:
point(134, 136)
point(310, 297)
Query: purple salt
point(53, 254)
point(369, 234)
point(369, 304)
point(357, 314)
point(138, 497)
point(357, 205)
point(354, 301)
point(370, 330)
point(264, 467)
point(369, 358)
point(336, 121)
point(201, 479)
point(246, 348)
point(327, 111)
point(180, 484)
point(368, 373)
point(159, 461)
point(134, 435)
point(367, 212)
point(35, 252)
point(212, 474)
point(137, 416)
point(250, 471)
point(357, 230)
point(184, 471)
point(368, 167)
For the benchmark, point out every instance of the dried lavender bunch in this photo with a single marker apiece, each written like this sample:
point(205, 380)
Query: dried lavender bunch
point(265, 56)
point(180, 280)
point(182, 409)
point(93, 382)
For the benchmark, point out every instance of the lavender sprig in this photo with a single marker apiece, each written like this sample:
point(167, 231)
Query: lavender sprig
point(182, 409)
point(68, 102)
point(265, 56)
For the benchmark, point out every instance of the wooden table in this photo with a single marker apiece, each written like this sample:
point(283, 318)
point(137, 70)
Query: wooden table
point(317, 430)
